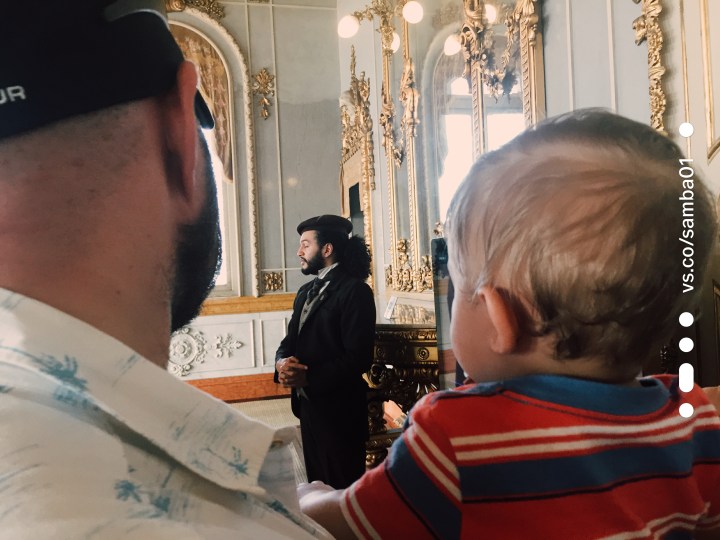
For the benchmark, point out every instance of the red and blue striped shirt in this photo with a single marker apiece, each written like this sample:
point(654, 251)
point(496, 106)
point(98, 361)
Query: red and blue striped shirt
point(546, 456)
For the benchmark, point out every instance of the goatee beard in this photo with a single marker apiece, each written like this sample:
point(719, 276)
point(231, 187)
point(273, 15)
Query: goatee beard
point(314, 265)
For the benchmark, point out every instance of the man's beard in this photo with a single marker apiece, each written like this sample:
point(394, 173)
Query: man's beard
point(198, 255)
point(314, 265)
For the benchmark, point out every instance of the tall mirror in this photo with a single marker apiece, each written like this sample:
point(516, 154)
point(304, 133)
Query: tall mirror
point(459, 78)
point(467, 79)
point(357, 167)
point(483, 86)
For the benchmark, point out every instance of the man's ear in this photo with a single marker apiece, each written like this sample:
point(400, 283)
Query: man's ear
point(503, 319)
point(327, 250)
point(181, 143)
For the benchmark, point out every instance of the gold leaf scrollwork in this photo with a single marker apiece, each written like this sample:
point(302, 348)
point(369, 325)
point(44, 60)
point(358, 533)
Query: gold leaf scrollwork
point(412, 314)
point(211, 7)
point(273, 281)
point(357, 163)
point(387, 121)
point(405, 277)
point(647, 28)
point(409, 97)
point(264, 85)
point(478, 39)
point(357, 129)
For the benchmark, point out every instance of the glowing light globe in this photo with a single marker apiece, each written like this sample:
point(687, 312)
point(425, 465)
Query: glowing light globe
point(395, 45)
point(413, 12)
point(491, 13)
point(452, 45)
point(348, 26)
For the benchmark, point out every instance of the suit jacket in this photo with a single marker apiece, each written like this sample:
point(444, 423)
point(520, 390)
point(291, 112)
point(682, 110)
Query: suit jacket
point(336, 343)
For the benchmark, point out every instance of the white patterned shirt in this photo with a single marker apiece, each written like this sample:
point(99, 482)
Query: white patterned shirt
point(97, 442)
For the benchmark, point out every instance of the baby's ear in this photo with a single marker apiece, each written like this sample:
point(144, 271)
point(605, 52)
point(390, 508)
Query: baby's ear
point(503, 319)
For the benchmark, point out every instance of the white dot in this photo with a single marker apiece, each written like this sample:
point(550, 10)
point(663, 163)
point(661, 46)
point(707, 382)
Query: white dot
point(292, 181)
point(686, 410)
point(686, 129)
point(686, 344)
point(686, 319)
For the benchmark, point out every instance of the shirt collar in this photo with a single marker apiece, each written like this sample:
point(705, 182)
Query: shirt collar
point(201, 432)
point(649, 397)
point(325, 271)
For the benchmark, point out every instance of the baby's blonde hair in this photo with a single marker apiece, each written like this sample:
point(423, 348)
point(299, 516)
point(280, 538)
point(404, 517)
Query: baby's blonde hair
point(581, 219)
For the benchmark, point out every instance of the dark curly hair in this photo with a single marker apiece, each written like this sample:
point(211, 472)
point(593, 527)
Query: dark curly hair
point(352, 252)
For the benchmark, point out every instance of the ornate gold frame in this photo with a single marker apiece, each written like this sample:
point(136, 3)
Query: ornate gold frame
point(357, 164)
point(647, 28)
point(409, 270)
point(523, 25)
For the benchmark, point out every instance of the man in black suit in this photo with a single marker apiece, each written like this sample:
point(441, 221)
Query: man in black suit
point(328, 347)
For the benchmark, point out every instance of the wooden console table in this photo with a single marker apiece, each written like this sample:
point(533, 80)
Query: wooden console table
point(405, 368)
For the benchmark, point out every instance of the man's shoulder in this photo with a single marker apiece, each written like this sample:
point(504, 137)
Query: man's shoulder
point(350, 280)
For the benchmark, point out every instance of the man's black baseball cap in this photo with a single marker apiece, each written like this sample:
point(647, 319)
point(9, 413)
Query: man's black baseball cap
point(64, 58)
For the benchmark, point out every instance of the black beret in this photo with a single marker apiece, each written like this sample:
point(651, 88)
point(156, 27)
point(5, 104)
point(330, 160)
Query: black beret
point(325, 222)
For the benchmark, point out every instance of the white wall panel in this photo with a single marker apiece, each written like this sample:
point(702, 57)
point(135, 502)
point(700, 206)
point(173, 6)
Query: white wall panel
point(591, 59)
point(591, 49)
point(559, 93)
point(272, 331)
point(631, 64)
point(228, 345)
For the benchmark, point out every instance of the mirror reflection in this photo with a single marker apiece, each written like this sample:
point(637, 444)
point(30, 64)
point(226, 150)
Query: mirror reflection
point(451, 90)
point(483, 60)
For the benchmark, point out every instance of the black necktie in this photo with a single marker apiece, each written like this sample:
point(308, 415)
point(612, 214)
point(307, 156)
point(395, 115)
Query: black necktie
point(315, 289)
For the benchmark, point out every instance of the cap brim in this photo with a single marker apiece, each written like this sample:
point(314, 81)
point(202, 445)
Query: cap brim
point(202, 112)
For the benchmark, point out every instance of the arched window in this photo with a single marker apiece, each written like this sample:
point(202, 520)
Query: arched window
point(224, 82)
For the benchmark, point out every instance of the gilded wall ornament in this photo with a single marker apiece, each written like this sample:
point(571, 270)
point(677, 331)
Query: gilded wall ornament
point(411, 314)
point(647, 28)
point(210, 7)
point(273, 281)
point(264, 85)
point(357, 163)
point(406, 277)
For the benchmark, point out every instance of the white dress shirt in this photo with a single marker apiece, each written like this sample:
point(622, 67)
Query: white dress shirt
point(97, 442)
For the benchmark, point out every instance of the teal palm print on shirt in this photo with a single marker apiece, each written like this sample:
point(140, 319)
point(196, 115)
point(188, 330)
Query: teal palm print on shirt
point(126, 490)
point(66, 371)
point(63, 371)
point(72, 389)
point(237, 464)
